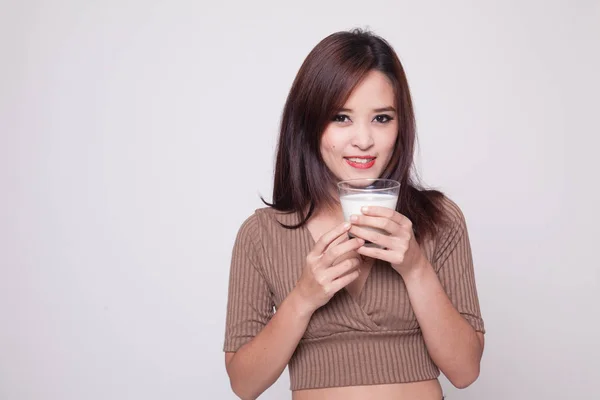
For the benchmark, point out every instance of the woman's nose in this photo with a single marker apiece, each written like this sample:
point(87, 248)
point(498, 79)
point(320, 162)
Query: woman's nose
point(363, 138)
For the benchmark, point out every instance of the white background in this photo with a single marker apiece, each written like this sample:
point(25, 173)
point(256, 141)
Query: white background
point(136, 136)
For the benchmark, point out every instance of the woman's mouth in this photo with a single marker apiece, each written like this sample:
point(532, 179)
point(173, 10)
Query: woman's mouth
point(360, 162)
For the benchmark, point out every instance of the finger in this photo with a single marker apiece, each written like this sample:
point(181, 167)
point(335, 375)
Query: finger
point(386, 224)
point(346, 256)
point(337, 270)
point(341, 282)
point(338, 240)
point(370, 235)
point(335, 252)
point(395, 216)
point(381, 254)
point(325, 240)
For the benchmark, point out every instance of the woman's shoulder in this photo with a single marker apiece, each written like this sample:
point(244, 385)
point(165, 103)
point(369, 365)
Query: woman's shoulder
point(453, 228)
point(267, 218)
point(451, 211)
point(264, 228)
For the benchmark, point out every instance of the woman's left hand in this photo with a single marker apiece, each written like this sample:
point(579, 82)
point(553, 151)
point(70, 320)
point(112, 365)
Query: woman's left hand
point(399, 248)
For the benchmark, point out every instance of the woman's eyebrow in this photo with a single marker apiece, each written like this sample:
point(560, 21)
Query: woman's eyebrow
point(382, 109)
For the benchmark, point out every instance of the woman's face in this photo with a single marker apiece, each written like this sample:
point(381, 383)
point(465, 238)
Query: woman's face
point(359, 141)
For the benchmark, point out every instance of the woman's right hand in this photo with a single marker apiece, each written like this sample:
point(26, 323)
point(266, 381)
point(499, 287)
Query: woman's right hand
point(323, 275)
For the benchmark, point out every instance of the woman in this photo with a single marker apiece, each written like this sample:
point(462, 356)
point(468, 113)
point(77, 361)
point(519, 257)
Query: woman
point(352, 322)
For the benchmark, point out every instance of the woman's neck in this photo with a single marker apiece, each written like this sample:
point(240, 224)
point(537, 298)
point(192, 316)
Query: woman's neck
point(329, 212)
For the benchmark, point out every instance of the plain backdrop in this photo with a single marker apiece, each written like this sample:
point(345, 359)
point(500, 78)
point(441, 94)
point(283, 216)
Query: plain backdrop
point(136, 136)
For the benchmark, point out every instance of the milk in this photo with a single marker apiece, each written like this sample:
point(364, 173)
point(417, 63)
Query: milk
point(352, 203)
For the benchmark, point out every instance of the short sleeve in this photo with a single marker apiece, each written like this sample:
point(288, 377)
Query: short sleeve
point(455, 268)
point(249, 302)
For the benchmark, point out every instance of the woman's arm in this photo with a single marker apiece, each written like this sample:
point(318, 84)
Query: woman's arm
point(454, 346)
point(445, 302)
point(258, 344)
point(258, 363)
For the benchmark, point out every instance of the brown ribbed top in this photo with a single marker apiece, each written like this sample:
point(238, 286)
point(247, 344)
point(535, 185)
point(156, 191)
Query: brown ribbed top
point(371, 339)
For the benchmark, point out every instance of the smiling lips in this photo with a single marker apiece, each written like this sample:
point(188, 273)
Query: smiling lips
point(360, 162)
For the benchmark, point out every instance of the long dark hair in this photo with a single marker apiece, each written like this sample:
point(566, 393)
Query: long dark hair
point(330, 72)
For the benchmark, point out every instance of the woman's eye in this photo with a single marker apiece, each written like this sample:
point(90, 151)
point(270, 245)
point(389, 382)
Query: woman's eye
point(341, 118)
point(383, 119)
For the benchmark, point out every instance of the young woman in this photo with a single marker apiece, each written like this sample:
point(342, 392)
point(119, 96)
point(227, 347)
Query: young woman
point(351, 321)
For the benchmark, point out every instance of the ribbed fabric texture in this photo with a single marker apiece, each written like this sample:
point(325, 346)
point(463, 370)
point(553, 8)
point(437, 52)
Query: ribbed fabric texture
point(371, 339)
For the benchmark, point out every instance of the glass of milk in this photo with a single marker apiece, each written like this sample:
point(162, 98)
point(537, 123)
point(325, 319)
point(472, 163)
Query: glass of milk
point(356, 193)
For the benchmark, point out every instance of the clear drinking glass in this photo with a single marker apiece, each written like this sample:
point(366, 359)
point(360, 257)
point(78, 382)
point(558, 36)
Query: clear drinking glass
point(356, 193)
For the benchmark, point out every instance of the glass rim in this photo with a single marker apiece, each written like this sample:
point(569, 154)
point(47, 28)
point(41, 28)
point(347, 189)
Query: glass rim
point(395, 184)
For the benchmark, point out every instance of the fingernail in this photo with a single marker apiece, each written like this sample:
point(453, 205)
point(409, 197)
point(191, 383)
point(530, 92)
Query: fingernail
point(353, 218)
point(364, 209)
point(346, 225)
